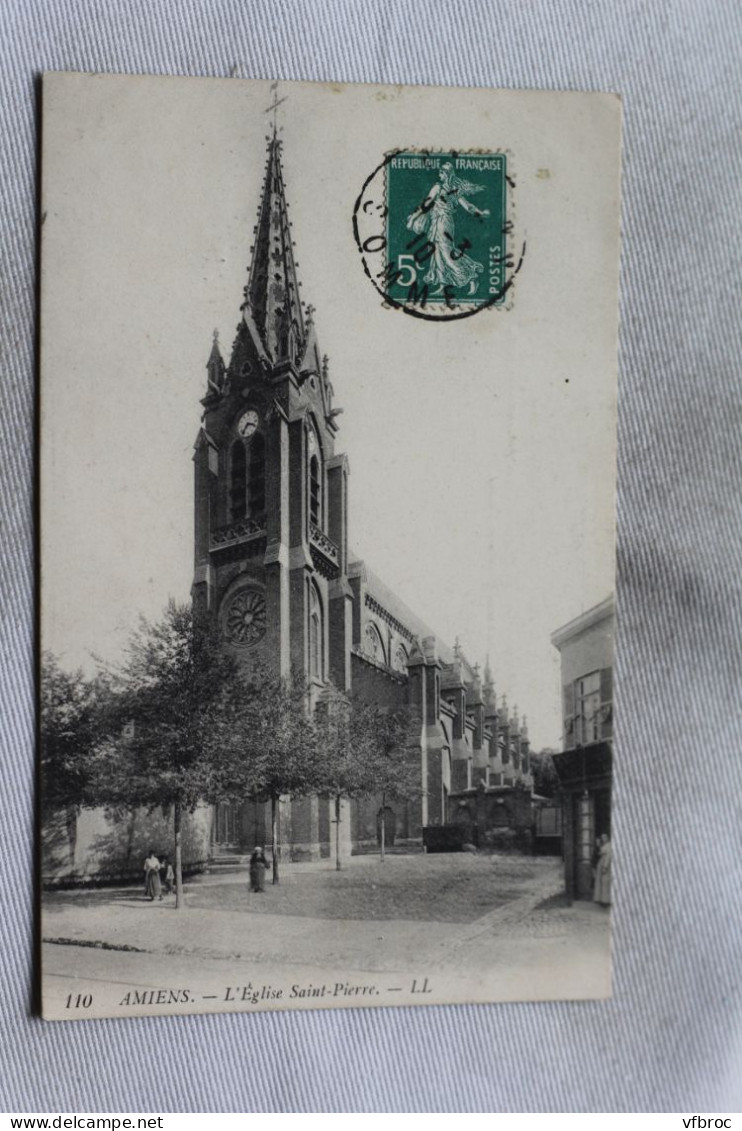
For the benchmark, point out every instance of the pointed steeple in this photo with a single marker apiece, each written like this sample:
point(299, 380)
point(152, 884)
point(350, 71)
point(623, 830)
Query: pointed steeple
point(272, 291)
point(474, 690)
point(215, 367)
point(488, 685)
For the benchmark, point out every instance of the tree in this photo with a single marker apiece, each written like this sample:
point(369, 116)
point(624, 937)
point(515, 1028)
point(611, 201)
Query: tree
point(343, 738)
point(362, 747)
point(69, 721)
point(394, 774)
point(67, 732)
point(545, 777)
point(165, 723)
point(272, 744)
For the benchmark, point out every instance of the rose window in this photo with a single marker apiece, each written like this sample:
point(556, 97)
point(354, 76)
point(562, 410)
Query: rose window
point(245, 619)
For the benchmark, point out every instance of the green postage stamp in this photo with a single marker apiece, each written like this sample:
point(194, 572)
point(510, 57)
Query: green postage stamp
point(435, 231)
point(447, 228)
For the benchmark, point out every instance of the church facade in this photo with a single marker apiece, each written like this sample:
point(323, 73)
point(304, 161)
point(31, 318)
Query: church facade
point(273, 569)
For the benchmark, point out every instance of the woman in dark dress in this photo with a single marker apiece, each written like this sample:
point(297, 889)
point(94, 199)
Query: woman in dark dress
point(258, 864)
point(152, 885)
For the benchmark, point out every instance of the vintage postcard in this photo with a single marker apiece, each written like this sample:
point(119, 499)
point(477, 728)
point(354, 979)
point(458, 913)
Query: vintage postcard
point(328, 380)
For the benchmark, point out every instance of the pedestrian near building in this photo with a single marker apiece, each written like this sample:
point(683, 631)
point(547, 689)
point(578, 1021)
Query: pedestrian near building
point(258, 865)
point(167, 876)
point(602, 893)
point(152, 885)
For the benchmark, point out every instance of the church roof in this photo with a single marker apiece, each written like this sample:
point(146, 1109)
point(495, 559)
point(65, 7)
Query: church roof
point(397, 608)
point(272, 291)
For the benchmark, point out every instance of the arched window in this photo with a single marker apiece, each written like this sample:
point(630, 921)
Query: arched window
point(238, 482)
point(315, 635)
point(372, 643)
point(315, 492)
point(256, 477)
point(400, 658)
point(292, 343)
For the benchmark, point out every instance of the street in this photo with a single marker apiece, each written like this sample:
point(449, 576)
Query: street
point(320, 940)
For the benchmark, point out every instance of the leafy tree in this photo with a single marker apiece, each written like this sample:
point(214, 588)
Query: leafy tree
point(70, 707)
point(272, 744)
point(68, 714)
point(344, 741)
point(545, 777)
point(362, 753)
point(394, 770)
point(166, 720)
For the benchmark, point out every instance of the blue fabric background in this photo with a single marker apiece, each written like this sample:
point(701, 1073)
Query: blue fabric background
point(671, 1039)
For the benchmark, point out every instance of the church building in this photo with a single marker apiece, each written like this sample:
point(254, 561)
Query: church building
point(273, 568)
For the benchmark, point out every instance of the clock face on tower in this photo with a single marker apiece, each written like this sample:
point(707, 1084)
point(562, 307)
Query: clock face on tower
point(247, 423)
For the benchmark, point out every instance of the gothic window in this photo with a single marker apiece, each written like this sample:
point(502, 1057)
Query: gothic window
point(400, 658)
point(314, 479)
point(315, 634)
point(292, 344)
point(256, 476)
point(372, 644)
point(238, 481)
point(315, 492)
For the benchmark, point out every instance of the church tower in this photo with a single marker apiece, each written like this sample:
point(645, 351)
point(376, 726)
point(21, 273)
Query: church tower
point(271, 509)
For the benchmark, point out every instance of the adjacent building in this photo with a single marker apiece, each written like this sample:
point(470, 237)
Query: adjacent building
point(585, 764)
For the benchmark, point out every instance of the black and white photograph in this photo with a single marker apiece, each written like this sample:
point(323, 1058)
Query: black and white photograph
point(327, 544)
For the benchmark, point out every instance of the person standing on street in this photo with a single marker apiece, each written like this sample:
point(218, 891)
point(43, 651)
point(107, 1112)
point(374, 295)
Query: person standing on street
point(152, 885)
point(602, 892)
point(258, 865)
point(167, 876)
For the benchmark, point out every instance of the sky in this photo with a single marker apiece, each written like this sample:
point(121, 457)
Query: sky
point(482, 452)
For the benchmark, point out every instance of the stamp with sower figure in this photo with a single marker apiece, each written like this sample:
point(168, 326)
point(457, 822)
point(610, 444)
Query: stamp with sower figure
point(434, 233)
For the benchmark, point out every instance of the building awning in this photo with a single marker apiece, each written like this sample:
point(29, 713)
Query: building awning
point(584, 767)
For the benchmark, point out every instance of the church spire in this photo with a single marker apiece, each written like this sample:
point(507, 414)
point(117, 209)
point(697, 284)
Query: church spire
point(489, 684)
point(272, 291)
point(215, 368)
